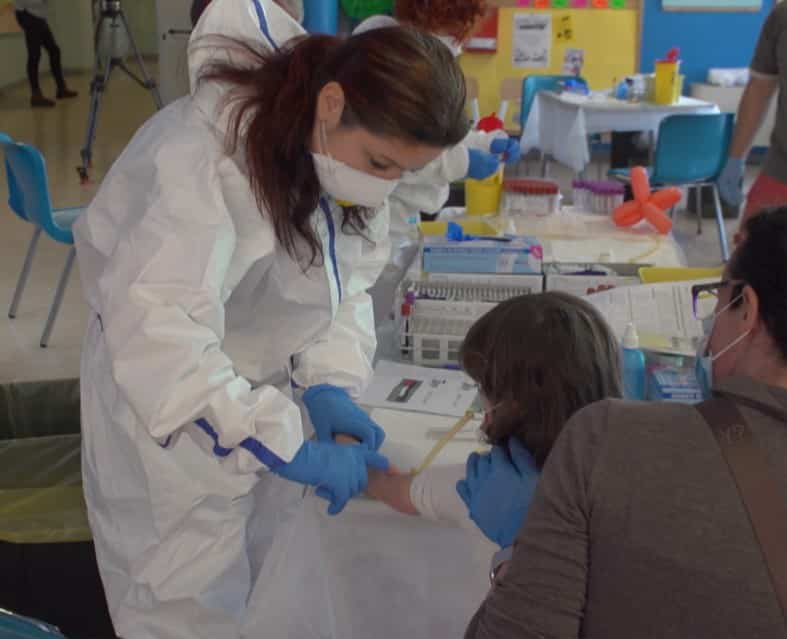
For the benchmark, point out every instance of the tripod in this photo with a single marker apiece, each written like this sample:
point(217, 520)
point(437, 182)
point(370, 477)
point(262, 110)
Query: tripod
point(112, 15)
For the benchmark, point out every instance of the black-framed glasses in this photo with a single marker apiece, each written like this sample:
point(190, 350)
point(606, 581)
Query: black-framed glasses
point(704, 297)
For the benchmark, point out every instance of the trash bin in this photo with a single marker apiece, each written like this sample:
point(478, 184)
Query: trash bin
point(49, 569)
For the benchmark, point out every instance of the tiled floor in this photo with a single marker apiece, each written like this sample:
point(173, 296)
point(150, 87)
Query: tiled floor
point(59, 133)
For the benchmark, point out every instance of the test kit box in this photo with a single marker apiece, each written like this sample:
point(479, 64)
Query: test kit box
point(579, 278)
point(673, 385)
point(522, 255)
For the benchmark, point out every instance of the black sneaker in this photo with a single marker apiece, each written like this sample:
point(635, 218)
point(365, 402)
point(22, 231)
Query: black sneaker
point(38, 101)
point(64, 94)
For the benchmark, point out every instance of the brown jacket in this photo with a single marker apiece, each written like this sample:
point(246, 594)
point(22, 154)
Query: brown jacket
point(637, 531)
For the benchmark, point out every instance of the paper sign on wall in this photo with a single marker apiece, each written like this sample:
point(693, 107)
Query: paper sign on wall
point(573, 61)
point(532, 40)
point(564, 29)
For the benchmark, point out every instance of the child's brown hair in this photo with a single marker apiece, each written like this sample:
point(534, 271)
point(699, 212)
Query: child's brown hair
point(537, 360)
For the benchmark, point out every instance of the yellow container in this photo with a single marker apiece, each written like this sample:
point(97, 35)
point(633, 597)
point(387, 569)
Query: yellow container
point(482, 197)
point(656, 274)
point(667, 86)
point(471, 227)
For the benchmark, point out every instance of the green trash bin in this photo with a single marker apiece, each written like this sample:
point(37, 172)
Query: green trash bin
point(49, 569)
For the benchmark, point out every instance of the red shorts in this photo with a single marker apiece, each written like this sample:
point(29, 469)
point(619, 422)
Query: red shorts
point(765, 192)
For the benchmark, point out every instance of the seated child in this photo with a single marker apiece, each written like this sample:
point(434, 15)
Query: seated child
point(537, 359)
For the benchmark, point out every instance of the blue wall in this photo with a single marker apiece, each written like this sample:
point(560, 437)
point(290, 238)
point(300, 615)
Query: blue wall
point(706, 39)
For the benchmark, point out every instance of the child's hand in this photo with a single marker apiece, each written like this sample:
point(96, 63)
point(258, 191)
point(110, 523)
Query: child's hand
point(391, 488)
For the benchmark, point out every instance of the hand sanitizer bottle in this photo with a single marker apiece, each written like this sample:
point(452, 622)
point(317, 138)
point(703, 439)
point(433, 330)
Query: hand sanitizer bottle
point(633, 365)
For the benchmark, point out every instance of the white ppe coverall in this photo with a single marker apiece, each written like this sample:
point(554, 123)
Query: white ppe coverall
point(201, 323)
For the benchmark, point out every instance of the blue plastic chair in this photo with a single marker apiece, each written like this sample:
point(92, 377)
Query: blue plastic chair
point(531, 85)
point(691, 151)
point(15, 627)
point(29, 199)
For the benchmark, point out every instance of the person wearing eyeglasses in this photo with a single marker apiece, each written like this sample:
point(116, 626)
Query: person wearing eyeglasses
point(637, 527)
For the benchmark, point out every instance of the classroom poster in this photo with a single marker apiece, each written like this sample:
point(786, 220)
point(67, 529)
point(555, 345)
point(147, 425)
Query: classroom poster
point(573, 61)
point(531, 40)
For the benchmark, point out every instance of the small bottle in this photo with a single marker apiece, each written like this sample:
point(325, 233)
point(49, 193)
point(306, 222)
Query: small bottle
point(633, 365)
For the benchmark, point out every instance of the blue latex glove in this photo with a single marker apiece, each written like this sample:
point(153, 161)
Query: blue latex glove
point(482, 164)
point(731, 182)
point(337, 470)
point(497, 490)
point(508, 148)
point(332, 412)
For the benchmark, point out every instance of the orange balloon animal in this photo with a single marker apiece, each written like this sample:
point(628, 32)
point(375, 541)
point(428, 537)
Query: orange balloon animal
point(647, 205)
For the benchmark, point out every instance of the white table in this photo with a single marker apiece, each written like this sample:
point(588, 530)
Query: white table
point(573, 236)
point(378, 574)
point(559, 125)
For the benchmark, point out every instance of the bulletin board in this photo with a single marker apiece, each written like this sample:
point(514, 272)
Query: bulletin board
point(608, 39)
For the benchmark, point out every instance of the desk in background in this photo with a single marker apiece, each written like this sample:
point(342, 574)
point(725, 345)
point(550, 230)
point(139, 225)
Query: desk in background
point(559, 125)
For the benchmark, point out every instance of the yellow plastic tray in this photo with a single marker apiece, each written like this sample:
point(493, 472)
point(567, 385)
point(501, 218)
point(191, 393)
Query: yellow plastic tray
point(471, 227)
point(656, 274)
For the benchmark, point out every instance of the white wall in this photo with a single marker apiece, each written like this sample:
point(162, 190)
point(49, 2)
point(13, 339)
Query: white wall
point(13, 56)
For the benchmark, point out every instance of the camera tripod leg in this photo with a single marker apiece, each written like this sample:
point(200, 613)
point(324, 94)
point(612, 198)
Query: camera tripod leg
point(149, 83)
point(97, 88)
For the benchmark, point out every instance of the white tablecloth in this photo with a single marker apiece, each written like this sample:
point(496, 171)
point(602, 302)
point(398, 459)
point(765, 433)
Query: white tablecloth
point(371, 572)
point(559, 125)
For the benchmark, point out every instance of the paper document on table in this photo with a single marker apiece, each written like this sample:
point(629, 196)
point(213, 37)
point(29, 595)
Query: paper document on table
point(411, 436)
point(415, 388)
point(662, 313)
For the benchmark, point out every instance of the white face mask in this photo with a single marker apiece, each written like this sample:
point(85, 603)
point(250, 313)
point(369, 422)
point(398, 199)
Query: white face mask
point(703, 364)
point(452, 43)
point(348, 185)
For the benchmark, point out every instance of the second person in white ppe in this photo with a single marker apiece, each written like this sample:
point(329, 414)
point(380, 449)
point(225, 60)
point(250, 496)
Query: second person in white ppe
point(225, 260)
point(478, 156)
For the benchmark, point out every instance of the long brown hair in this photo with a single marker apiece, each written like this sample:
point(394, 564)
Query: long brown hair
point(538, 359)
point(397, 82)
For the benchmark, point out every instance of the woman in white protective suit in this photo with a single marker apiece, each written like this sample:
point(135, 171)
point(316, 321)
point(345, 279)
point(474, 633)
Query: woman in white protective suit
point(478, 156)
point(226, 259)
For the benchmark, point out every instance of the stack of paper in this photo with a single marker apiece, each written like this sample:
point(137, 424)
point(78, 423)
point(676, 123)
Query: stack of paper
point(662, 313)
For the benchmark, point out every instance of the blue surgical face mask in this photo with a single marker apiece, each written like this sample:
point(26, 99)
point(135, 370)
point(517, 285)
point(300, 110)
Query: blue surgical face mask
point(703, 363)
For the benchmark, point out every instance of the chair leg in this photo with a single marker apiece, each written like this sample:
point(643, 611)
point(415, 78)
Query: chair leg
point(58, 300)
point(698, 207)
point(725, 251)
point(20, 284)
point(544, 165)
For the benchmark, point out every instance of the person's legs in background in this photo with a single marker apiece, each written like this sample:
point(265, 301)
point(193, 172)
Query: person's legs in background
point(766, 192)
point(37, 35)
point(33, 36)
point(48, 40)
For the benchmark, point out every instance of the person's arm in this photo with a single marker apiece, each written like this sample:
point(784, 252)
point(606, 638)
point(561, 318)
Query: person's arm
point(342, 356)
point(543, 590)
point(751, 112)
point(430, 494)
point(162, 309)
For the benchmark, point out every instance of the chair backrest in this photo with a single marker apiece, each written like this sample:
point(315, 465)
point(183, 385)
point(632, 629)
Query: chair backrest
point(16, 627)
point(28, 170)
point(472, 98)
point(532, 84)
point(692, 148)
point(14, 194)
point(510, 91)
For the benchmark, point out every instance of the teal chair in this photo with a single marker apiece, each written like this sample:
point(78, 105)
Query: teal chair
point(16, 627)
point(16, 204)
point(690, 152)
point(531, 85)
point(29, 199)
